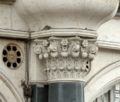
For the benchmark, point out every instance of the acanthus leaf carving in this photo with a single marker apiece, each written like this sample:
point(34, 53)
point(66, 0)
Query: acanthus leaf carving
point(68, 58)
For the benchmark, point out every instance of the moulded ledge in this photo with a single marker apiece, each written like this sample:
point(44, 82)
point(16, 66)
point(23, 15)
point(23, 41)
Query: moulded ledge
point(7, 1)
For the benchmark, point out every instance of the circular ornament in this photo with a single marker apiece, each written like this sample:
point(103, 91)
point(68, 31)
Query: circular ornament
point(12, 56)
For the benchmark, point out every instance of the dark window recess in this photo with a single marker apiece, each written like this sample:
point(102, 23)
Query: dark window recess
point(14, 65)
point(119, 8)
point(18, 60)
point(14, 48)
point(8, 0)
point(18, 53)
point(9, 64)
point(5, 59)
point(39, 94)
point(4, 52)
point(8, 48)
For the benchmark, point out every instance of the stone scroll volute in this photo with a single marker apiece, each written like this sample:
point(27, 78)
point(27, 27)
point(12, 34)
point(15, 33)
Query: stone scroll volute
point(66, 59)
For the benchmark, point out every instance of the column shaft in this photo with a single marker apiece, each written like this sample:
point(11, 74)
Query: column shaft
point(66, 92)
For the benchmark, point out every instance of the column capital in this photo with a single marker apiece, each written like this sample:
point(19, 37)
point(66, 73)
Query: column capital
point(66, 59)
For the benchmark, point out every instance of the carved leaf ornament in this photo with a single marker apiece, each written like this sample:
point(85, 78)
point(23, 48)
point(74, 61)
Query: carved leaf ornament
point(68, 58)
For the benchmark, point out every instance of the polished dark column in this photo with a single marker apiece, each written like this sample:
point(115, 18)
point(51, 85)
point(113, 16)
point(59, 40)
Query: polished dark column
point(66, 92)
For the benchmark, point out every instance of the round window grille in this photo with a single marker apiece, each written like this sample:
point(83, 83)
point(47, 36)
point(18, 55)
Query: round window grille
point(12, 56)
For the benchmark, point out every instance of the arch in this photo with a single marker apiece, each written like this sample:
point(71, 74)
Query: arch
point(2, 98)
point(102, 81)
point(7, 87)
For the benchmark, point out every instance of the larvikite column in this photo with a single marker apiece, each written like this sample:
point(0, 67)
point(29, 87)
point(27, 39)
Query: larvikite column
point(66, 92)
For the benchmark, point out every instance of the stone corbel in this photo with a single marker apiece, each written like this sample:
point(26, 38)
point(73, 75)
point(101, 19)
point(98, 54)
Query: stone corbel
point(66, 59)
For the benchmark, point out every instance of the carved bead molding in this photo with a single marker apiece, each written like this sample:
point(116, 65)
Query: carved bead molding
point(67, 59)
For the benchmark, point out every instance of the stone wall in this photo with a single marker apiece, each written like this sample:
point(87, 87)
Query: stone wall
point(105, 67)
point(10, 78)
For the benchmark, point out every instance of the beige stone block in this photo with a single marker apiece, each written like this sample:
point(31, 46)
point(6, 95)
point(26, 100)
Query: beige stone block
point(110, 30)
point(15, 76)
point(18, 23)
point(6, 92)
point(5, 16)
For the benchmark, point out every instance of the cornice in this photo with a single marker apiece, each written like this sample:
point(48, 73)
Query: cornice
point(64, 32)
point(108, 45)
point(7, 1)
point(14, 34)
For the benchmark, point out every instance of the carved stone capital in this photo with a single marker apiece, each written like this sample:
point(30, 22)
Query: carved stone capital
point(66, 59)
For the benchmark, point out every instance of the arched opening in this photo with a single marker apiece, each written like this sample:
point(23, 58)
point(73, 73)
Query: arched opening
point(2, 98)
point(8, 92)
point(102, 81)
point(111, 95)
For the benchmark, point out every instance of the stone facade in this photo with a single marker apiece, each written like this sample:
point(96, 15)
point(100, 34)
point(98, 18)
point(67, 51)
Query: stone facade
point(66, 50)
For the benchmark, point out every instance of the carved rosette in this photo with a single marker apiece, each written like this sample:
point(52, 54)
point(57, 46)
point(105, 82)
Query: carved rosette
point(66, 59)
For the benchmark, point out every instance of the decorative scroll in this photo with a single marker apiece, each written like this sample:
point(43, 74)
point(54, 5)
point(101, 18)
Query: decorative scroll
point(68, 58)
